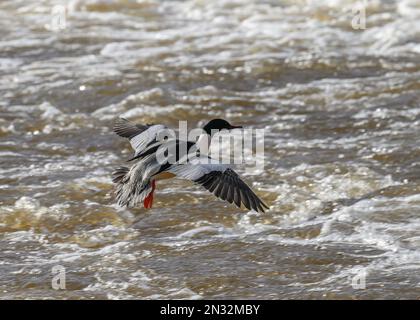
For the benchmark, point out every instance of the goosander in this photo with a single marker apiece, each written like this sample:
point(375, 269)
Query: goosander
point(138, 183)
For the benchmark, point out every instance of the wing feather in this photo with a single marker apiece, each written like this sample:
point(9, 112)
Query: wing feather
point(223, 182)
point(128, 129)
point(140, 136)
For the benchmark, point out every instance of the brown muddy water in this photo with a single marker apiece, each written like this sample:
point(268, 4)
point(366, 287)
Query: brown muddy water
point(341, 112)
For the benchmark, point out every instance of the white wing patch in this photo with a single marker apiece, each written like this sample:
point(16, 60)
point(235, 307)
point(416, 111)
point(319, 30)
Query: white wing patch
point(196, 169)
point(140, 141)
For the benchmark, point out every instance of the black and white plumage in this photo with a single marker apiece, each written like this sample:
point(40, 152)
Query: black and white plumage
point(137, 183)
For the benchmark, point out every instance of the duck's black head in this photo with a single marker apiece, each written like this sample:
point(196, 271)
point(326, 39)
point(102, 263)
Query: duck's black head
point(218, 124)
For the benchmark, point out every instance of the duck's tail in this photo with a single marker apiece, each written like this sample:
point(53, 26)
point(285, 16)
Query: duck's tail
point(135, 184)
point(130, 191)
point(119, 174)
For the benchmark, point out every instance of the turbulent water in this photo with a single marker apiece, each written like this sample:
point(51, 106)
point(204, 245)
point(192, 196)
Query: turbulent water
point(341, 113)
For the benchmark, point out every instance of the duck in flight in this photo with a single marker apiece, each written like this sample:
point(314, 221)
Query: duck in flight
point(137, 183)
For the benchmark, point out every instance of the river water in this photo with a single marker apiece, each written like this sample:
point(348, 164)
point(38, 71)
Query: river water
point(341, 112)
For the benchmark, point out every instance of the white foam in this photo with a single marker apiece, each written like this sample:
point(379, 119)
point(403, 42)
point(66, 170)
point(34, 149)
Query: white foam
point(49, 111)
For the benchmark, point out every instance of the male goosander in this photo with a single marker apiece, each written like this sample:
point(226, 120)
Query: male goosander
point(138, 183)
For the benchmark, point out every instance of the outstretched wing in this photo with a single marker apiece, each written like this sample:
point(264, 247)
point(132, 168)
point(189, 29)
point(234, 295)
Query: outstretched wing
point(223, 182)
point(140, 136)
